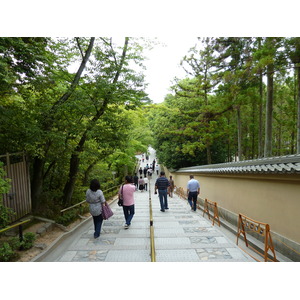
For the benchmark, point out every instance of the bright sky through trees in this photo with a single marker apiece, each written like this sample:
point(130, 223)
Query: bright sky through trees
point(163, 64)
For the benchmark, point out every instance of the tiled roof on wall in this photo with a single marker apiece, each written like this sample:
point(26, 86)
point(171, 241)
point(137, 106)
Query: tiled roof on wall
point(289, 164)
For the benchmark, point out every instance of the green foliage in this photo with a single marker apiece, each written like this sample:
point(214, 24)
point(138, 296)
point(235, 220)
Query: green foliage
point(4, 182)
point(98, 119)
point(5, 212)
point(224, 98)
point(68, 217)
point(7, 253)
point(9, 248)
point(27, 242)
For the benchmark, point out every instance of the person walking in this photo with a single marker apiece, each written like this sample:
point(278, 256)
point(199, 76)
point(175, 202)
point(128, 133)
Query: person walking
point(153, 165)
point(162, 184)
point(146, 183)
point(171, 186)
point(95, 197)
point(136, 181)
point(128, 200)
point(193, 190)
point(157, 169)
point(141, 184)
point(145, 171)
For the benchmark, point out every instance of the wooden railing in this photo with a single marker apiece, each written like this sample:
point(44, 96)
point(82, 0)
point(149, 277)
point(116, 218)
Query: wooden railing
point(20, 225)
point(116, 187)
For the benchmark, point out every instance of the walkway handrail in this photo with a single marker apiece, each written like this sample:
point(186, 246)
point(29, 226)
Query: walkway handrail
point(20, 224)
point(83, 202)
point(152, 244)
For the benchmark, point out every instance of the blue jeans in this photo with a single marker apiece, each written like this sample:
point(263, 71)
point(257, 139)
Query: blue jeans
point(128, 213)
point(163, 198)
point(192, 198)
point(97, 224)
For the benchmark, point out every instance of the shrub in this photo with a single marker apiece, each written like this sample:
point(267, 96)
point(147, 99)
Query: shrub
point(67, 217)
point(27, 243)
point(5, 212)
point(7, 253)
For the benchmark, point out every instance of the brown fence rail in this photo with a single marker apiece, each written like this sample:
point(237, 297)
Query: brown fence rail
point(19, 197)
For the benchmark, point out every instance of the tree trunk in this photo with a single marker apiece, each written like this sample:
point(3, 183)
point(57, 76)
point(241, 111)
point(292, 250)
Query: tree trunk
point(298, 119)
point(87, 172)
point(38, 169)
point(260, 129)
point(208, 151)
point(37, 182)
point(77, 77)
point(73, 170)
point(239, 126)
point(269, 111)
point(75, 160)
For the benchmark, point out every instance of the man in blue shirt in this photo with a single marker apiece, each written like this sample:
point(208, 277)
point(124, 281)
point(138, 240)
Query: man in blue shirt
point(162, 184)
point(193, 190)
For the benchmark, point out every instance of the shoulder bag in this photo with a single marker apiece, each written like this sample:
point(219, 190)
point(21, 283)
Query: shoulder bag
point(106, 212)
point(120, 201)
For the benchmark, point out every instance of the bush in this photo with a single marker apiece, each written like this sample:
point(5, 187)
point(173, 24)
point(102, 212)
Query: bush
point(27, 243)
point(67, 218)
point(5, 214)
point(7, 253)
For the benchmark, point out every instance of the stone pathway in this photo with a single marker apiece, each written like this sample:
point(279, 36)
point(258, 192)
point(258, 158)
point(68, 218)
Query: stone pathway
point(181, 235)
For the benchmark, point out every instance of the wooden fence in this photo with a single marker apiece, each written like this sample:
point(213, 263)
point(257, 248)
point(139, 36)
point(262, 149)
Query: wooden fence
point(19, 196)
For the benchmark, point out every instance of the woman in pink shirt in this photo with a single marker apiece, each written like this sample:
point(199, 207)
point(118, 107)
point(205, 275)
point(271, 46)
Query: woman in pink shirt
point(128, 200)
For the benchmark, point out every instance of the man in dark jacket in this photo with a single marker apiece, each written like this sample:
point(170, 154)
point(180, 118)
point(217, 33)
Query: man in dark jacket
point(162, 184)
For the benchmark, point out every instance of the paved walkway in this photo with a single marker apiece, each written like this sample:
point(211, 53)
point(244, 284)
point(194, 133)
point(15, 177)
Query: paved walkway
point(181, 235)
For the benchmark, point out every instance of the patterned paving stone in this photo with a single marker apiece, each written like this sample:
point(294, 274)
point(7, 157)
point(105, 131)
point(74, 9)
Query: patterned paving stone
point(189, 222)
point(206, 254)
point(195, 229)
point(90, 256)
point(184, 217)
point(203, 240)
point(102, 241)
point(110, 230)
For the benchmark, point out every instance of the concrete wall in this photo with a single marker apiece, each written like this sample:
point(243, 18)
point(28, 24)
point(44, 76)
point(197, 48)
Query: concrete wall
point(272, 199)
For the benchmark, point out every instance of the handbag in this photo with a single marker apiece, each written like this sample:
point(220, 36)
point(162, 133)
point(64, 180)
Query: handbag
point(106, 212)
point(120, 201)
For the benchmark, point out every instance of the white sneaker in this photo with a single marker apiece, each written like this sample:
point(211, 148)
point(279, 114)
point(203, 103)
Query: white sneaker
point(126, 226)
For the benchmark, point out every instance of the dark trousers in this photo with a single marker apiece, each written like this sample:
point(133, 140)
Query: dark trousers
point(163, 199)
point(128, 213)
point(192, 198)
point(97, 224)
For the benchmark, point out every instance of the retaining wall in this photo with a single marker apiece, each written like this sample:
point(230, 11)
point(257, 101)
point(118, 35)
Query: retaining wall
point(272, 199)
